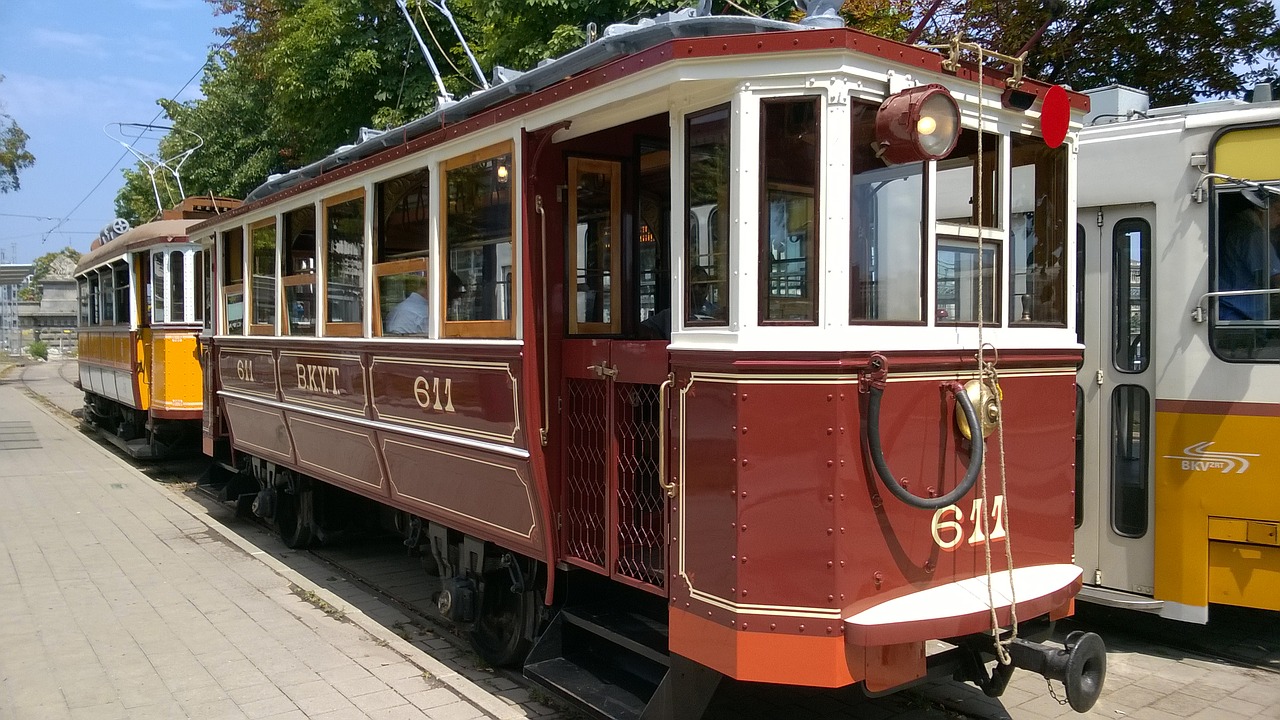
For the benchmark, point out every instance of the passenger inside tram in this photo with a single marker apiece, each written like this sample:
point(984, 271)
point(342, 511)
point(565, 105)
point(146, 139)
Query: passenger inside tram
point(1247, 258)
point(412, 315)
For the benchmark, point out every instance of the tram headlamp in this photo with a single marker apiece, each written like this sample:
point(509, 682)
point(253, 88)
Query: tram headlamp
point(921, 123)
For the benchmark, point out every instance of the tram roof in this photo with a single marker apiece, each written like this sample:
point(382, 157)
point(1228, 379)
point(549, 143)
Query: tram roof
point(617, 41)
point(143, 236)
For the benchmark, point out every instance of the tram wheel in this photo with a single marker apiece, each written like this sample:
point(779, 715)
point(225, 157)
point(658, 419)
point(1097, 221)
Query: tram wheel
point(294, 517)
point(499, 635)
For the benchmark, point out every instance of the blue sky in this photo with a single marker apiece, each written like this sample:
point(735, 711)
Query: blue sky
point(71, 67)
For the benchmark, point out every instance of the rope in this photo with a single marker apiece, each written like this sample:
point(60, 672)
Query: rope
point(990, 381)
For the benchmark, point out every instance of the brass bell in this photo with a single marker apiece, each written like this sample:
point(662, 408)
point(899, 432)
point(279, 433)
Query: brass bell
point(985, 404)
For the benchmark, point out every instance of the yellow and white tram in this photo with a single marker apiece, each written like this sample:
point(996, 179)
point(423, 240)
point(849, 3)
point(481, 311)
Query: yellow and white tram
point(1178, 470)
point(142, 304)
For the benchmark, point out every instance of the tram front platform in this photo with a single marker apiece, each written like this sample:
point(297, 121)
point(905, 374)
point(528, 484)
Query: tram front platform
point(125, 597)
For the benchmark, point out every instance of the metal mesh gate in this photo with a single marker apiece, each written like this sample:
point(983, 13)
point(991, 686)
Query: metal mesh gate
point(614, 504)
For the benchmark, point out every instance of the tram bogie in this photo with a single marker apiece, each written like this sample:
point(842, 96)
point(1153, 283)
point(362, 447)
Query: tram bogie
point(609, 350)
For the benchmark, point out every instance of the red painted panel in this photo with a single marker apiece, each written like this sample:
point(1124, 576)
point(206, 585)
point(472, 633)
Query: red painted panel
point(259, 430)
point(488, 496)
point(341, 453)
point(252, 372)
point(476, 399)
point(332, 381)
point(708, 534)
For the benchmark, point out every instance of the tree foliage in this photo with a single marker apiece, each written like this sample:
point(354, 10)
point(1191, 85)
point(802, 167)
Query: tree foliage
point(57, 264)
point(295, 79)
point(14, 156)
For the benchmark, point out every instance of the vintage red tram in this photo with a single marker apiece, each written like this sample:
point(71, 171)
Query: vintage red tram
point(634, 344)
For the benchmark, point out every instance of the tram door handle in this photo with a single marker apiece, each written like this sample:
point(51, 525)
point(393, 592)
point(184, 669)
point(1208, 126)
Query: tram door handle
point(1100, 377)
point(604, 370)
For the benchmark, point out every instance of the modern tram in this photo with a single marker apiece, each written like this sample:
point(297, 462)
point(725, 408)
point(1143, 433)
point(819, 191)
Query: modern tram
point(718, 347)
point(142, 307)
point(1179, 394)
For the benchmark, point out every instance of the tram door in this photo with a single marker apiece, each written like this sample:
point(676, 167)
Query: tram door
point(614, 365)
point(1115, 539)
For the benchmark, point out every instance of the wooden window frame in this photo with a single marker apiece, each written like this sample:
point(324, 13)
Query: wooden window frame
point(252, 328)
point(343, 329)
point(394, 267)
point(479, 329)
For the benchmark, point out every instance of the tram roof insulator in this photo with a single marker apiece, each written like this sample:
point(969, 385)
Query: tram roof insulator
point(920, 123)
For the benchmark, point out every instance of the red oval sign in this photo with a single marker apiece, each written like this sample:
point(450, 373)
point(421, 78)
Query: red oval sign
point(1055, 116)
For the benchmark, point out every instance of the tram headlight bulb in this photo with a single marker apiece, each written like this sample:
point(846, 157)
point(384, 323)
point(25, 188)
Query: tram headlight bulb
point(921, 123)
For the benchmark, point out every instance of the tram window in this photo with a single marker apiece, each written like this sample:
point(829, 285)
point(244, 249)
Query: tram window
point(177, 286)
point(707, 173)
point(233, 277)
point(478, 249)
point(159, 287)
point(82, 288)
point(262, 288)
point(344, 264)
point(1080, 284)
point(594, 252)
point(202, 282)
point(958, 280)
point(108, 296)
point(299, 272)
point(1079, 516)
point(403, 246)
point(1130, 439)
point(1131, 295)
point(886, 240)
point(1037, 232)
point(655, 220)
point(958, 185)
point(1247, 327)
point(120, 269)
point(95, 300)
point(788, 231)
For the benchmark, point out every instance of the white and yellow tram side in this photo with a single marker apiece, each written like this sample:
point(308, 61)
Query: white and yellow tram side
point(142, 304)
point(1178, 470)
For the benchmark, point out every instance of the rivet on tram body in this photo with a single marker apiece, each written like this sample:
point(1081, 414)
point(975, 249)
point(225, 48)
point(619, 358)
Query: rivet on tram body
point(828, 629)
point(744, 559)
point(829, 397)
point(830, 431)
point(841, 563)
point(830, 564)
point(733, 427)
point(841, 531)
point(878, 577)
point(744, 528)
point(744, 626)
point(744, 429)
point(876, 502)
point(830, 498)
point(744, 593)
point(929, 566)
point(830, 463)
point(830, 531)
point(744, 493)
point(830, 598)
point(744, 397)
point(801, 628)
point(773, 626)
point(744, 462)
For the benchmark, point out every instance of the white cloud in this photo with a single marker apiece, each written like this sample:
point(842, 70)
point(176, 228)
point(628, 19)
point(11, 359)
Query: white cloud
point(89, 44)
point(34, 98)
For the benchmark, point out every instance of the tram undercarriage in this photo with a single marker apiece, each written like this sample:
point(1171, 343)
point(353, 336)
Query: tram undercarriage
point(137, 433)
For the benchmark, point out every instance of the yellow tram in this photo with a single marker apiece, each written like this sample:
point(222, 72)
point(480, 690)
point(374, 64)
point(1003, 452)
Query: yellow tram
point(142, 304)
point(1179, 209)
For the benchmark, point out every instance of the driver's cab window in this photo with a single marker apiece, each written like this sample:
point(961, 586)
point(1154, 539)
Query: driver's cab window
point(1247, 262)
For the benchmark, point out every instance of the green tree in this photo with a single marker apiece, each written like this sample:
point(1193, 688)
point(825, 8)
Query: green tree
point(38, 350)
point(59, 263)
point(14, 156)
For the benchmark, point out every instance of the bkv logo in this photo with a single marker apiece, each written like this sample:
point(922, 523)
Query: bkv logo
point(1200, 457)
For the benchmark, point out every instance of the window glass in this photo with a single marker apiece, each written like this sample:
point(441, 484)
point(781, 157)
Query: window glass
point(344, 262)
point(1037, 232)
point(233, 277)
point(120, 270)
point(203, 280)
point(478, 244)
point(299, 272)
point(1080, 284)
point(95, 300)
point(403, 247)
point(108, 297)
point(885, 247)
point(177, 286)
point(655, 222)
point(788, 233)
point(595, 207)
point(159, 287)
point(958, 290)
point(263, 292)
point(707, 174)
point(82, 287)
point(1130, 436)
point(1131, 295)
point(1247, 325)
point(958, 185)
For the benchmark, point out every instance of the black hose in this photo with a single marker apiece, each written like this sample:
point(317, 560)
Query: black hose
point(886, 476)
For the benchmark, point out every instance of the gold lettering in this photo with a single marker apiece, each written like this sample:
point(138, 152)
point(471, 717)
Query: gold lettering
point(421, 393)
point(244, 370)
point(431, 396)
point(302, 377)
point(318, 379)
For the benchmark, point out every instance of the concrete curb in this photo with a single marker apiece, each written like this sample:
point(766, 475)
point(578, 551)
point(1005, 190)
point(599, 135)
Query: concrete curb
point(438, 670)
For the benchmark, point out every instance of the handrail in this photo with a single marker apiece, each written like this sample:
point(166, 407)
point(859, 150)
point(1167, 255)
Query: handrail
point(1198, 313)
point(670, 487)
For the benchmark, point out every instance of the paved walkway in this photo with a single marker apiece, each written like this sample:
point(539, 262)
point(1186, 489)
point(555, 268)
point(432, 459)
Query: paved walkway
point(116, 601)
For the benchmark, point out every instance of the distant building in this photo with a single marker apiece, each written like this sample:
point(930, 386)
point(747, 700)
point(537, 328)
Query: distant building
point(53, 318)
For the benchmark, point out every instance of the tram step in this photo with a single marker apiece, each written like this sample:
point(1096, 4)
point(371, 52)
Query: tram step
point(607, 662)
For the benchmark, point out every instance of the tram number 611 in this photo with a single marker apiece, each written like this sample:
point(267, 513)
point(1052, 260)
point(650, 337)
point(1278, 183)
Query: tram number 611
point(949, 524)
point(430, 394)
